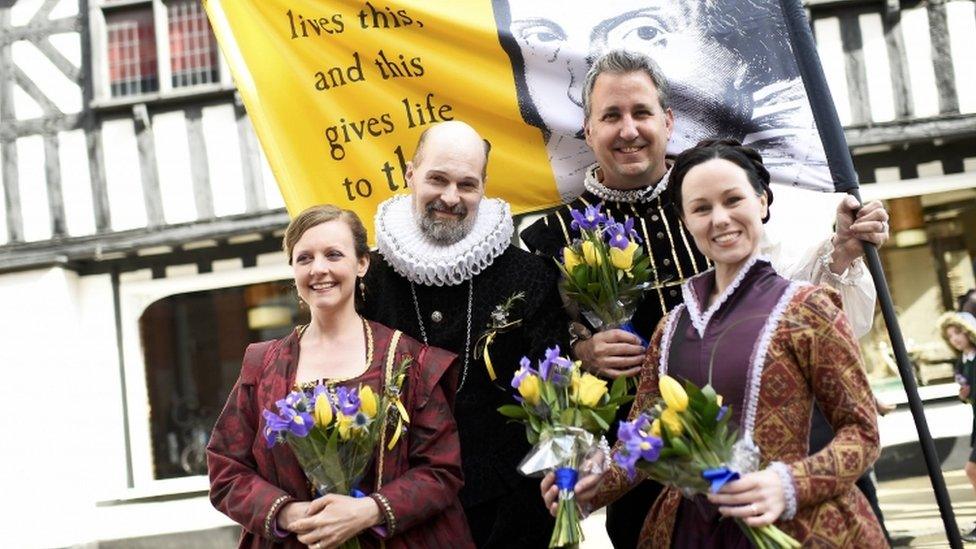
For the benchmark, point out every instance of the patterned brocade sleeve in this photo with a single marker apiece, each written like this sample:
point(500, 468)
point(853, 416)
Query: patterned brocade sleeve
point(831, 361)
point(434, 476)
point(236, 488)
point(615, 481)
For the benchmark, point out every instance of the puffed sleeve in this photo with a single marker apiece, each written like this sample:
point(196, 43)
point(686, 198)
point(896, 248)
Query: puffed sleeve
point(236, 488)
point(615, 481)
point(830, 359)
point(434, 476)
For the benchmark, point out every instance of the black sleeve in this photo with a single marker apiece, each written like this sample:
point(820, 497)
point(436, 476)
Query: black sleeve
point(544, 239)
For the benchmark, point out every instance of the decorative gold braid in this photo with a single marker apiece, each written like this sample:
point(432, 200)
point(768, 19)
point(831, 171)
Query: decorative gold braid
point(275, 505)
point(377, 497)
point(650, 255)
point(674, 250)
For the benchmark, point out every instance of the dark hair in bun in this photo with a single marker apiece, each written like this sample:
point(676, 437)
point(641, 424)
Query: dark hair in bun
point(732, 150)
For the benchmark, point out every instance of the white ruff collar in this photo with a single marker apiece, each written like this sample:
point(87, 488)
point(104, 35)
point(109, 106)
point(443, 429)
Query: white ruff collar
point(633, 196)
point(421, 261)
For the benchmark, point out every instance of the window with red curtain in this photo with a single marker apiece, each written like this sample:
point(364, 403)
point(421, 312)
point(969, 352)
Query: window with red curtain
point(192, 47)
point(132, 66)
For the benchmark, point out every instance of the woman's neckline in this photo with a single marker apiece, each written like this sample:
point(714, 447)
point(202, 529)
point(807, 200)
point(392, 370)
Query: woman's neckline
point(309, 383)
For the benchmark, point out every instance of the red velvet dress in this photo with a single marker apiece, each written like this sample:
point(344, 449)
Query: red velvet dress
point(250, 483)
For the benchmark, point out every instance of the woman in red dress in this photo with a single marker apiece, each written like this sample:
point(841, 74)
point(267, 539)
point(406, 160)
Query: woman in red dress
point(264, 489)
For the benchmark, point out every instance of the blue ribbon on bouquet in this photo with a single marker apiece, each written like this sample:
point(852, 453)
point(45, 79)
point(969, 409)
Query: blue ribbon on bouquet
point(629, 328)
point(355, 492)
point(718, 477)
point(566, 478)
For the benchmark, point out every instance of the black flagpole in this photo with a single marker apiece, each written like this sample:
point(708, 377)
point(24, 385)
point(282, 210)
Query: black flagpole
point(845, 179)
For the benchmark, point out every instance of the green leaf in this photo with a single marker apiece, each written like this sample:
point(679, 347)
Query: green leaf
point(604, 424)
point(618, 387)
point(513, 411)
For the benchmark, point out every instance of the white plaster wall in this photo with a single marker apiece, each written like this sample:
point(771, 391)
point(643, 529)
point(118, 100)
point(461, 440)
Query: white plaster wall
point(831, 53)
point(224, 159)
point(47, 397)
point(961, 20)
point(877, 67)
point(918, 52)
point(64, 93)
point(79, 211)
point(3, 211)
point(173, 167)
point(122, 175)
point(32, 182)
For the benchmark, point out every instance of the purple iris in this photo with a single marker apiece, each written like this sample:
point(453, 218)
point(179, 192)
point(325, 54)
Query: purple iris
point(289, 420)
point(587, 220)
point(348, 400)
point(524, 370)
point(636, 443)
point(620, 235)
point(721, 413)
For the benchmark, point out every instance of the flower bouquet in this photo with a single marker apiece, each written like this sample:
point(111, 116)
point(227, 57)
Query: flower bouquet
point(685, 440)
point(565, 413)
point(605, 270)
point(333, 432)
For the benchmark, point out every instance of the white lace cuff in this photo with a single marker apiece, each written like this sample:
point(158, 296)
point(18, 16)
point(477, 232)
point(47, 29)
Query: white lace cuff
point(789, 488)
point(849, 277)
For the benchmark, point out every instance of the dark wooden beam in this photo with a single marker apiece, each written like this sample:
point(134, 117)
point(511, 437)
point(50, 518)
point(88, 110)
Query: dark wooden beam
point(8, 145)
point(902, 131)
point(199, 172)
point(92, 128)
point(901, 84)
point(151, 194)
point(857, 77)
point(55, 196)
point(35, 32)
point(945, 79)
point(69, 252)
point(254, 198)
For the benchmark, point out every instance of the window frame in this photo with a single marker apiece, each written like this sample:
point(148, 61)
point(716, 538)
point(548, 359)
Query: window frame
point(101, 86)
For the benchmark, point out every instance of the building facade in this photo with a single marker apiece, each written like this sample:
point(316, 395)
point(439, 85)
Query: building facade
point(140, 236)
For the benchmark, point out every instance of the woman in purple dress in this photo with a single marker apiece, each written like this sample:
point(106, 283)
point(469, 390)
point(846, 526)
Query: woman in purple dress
point(773, 348)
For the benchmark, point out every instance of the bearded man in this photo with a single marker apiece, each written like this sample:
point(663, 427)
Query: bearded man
point(445, 271)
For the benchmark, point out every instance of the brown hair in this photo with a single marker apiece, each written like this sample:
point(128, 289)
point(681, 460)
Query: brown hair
point(323, 213)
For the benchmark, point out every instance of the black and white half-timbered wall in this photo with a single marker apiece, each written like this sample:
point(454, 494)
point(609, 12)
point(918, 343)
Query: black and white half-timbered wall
point(140, 236)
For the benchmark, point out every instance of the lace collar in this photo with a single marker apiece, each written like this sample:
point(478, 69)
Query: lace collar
point(694, 302)
point(644, 194)
point(415, 257)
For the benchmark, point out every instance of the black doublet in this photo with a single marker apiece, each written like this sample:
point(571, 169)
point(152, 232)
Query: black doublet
point(491, 446)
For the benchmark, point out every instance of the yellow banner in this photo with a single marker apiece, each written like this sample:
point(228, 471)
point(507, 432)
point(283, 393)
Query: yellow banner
point(340, 91)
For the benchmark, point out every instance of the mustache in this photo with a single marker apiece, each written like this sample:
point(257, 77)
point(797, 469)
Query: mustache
point(438, 205)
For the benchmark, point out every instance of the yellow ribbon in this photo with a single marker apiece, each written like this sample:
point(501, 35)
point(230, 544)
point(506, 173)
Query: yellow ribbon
point(491, 370)
point(404, 418)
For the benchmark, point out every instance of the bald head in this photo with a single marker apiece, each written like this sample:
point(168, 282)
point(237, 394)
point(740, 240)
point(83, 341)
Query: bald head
point(447, 179)
point(452, 134)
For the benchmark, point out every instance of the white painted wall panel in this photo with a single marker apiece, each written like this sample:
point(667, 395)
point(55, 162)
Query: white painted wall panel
point(3, 210)
point(272, 194)
point(79, 211)
point(877, 67)
point(25, 108)
point(22, 11)
point(961, 19)
point(219, 127)
point(65, 93)
point(173, 167)
point(69, 45)
point(65, 8)
point(122, 175)
point(832, 58)
point(918, 52)
point(930, 169)
point(33, 188)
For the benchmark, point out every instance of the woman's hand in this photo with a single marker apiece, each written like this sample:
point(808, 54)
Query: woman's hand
point(585, 492)
point(756, 498)
point(290, 513)
point(333, 519)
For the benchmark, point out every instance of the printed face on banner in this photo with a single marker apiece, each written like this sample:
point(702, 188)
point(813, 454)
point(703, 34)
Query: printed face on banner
point(724, 80)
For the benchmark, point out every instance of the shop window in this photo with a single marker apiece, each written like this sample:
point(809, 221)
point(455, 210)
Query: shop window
point(193, 344)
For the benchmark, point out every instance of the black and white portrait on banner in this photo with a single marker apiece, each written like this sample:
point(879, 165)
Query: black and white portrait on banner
point(729, 64)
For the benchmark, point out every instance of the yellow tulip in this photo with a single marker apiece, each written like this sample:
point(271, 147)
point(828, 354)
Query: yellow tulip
point(718, 400)
point(591, 390)
point(623, 259)
point(570, 259)
point(345, 424)
point(673, 393)
point(591, 254)
point(574, 385)
point(529, 389)
point(656, 428)
point(368, 401)
point(323, 411)
point(671, 422)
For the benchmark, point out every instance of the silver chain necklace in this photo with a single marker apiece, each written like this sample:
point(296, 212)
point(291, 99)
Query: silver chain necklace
point(467, 337)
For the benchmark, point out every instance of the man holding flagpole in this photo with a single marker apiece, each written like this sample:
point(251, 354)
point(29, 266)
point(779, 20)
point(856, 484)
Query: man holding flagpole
point(627, 123)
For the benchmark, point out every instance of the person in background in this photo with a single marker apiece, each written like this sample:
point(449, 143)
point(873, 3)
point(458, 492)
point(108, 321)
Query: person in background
point(959, 332)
